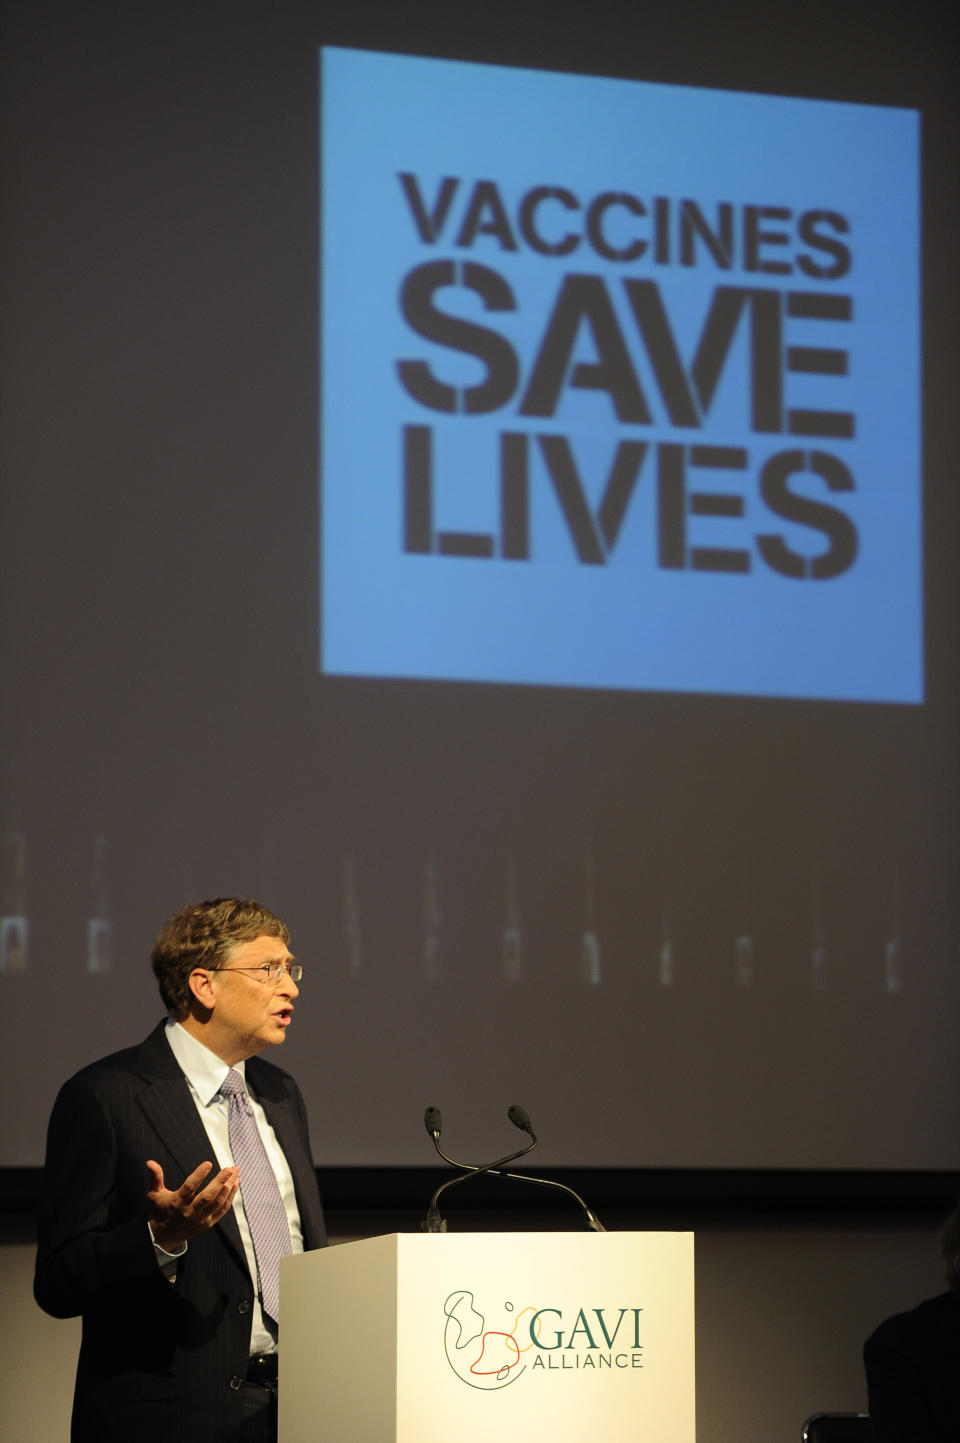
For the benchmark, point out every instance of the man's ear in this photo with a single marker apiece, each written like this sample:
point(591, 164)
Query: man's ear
point(201, 986)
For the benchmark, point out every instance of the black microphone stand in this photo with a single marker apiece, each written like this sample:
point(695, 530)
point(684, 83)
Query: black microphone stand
point(433, 1222)
point(518, 1116)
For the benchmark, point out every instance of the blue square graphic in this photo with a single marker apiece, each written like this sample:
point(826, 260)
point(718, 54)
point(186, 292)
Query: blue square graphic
point(620, 384)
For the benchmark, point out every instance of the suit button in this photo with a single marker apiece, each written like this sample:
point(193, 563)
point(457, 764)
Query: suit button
point(244, 1307)
point(236, 1382)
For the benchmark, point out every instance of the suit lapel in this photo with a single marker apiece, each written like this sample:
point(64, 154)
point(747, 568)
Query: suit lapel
point(280, 1117)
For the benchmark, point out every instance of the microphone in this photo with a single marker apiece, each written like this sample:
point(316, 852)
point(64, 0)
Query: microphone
point(432, 1122)
point(520, 1119)
point(433, 1222)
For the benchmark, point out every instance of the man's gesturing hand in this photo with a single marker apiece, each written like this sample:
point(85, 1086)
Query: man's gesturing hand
point(175, 1217)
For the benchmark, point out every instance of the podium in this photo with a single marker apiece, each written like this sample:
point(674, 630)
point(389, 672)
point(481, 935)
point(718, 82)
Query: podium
point(458, 1338)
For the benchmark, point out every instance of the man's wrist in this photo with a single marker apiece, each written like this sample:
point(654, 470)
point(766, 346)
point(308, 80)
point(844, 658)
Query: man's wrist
point(165, 1247)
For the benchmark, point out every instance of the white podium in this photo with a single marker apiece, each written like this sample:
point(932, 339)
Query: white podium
point(460, 1338)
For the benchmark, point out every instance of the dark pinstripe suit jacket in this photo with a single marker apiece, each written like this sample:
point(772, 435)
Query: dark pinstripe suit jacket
point(157, 1359)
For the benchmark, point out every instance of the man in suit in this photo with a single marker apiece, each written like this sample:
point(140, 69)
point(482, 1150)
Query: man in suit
point(177, 1173)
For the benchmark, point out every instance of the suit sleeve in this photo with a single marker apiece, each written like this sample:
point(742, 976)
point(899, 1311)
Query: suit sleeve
point(93, 1241)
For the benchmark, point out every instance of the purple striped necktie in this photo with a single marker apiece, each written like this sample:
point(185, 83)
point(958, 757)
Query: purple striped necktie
point(259, 1192)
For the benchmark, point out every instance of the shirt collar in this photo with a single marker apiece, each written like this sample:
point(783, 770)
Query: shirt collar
point(203, 1069)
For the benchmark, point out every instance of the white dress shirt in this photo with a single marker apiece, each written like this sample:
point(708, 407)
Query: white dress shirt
point(205, 1073)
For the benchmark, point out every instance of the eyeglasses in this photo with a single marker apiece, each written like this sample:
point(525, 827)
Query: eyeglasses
point(271, 971)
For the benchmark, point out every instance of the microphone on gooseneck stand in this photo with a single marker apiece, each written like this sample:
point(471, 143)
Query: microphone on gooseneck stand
point(432, 1121)
point(433, 1222)
point(520, 1119)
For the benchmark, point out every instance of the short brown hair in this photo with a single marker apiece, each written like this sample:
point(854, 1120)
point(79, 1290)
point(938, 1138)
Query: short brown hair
point(203, 935)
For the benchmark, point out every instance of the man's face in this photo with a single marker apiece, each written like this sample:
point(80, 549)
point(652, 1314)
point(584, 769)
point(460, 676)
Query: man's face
point(251, 1012)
